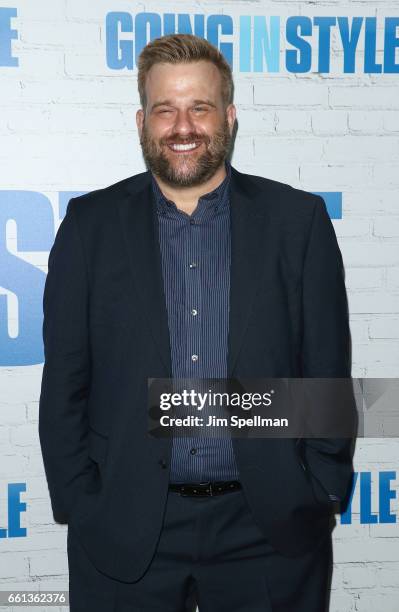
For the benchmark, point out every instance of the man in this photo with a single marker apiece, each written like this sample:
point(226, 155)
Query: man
point(190, 269)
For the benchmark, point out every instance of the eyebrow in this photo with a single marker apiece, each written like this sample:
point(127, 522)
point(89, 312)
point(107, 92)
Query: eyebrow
point(169, 103)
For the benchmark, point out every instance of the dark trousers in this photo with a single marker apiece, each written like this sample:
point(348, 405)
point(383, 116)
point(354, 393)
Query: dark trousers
point(210, 553)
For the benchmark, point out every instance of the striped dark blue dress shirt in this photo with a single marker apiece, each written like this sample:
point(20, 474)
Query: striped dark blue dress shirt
point(195, 253)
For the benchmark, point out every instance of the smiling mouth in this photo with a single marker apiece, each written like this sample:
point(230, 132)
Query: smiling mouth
point(184, 148)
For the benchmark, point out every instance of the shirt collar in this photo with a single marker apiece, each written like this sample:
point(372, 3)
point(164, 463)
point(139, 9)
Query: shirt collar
point(216, 196)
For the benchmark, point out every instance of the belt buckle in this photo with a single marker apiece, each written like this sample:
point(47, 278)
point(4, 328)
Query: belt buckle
point(208, 483)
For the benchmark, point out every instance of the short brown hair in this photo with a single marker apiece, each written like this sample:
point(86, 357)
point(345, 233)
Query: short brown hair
point(178, 49)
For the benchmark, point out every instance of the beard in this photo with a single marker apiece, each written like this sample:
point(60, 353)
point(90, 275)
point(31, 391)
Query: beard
point(186, 170)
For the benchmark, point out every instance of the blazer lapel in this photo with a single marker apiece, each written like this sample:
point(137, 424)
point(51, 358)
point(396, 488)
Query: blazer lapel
point(249, 223)
point(140, 227)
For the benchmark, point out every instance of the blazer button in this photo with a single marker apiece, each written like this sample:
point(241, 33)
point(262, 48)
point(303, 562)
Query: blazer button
point(162, 463)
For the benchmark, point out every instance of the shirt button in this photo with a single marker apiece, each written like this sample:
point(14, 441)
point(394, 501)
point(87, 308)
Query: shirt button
point(194, 312)
point(194, 357)
point(192, 221)
point(193, 264)
point(193, 451)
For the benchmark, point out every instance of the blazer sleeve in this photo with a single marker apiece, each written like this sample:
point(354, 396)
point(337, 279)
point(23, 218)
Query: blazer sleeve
point(326, 350)
point(63, 419)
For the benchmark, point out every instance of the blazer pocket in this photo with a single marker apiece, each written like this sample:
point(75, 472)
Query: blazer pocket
point(319, 493)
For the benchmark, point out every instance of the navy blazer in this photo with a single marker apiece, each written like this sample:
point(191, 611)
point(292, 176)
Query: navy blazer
point(105, 333)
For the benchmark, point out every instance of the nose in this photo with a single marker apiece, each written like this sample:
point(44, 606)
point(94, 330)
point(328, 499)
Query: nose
point(183, 123)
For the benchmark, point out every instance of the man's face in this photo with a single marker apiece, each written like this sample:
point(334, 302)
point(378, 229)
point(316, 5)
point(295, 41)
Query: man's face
point(185, 131)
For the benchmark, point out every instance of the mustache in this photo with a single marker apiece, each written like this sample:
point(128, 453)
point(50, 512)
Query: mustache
point(176, 139)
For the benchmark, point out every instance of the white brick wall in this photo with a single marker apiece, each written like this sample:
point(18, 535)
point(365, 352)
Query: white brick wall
point(67, 122)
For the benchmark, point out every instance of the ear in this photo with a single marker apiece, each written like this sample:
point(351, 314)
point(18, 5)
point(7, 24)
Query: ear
point(140, 120)
point(231, 116)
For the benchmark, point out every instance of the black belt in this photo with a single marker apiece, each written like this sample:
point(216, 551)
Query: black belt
point(205, 488)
